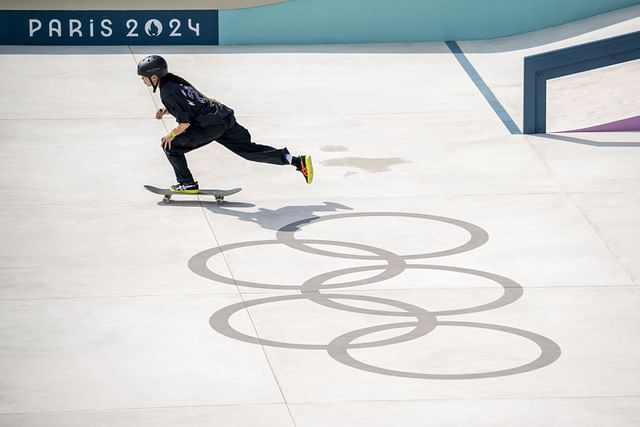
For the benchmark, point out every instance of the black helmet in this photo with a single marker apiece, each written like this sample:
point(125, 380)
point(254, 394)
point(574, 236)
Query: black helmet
point(153, 65)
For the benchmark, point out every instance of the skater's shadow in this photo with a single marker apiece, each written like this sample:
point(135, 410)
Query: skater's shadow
point(273, 219)
point(270, 219)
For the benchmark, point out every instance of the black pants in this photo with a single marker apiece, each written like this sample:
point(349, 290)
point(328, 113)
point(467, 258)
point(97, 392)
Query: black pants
point(230, 134)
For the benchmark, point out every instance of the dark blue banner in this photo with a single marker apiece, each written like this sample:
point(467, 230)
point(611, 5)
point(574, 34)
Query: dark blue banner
point(109, 27)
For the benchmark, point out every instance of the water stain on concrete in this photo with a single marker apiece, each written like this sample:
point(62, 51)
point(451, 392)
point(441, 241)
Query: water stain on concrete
point(366, 164)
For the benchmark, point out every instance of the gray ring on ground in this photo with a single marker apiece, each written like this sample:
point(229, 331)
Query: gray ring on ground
point(198, 264)
point(550, 352)
point(478, 236)
point(220, 321)
point(512, 291)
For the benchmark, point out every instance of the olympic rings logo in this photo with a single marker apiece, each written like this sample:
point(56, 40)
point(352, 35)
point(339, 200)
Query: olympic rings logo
point(420, 321)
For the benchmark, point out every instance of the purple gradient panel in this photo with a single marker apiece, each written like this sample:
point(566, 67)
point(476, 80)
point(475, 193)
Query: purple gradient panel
point(632, 124)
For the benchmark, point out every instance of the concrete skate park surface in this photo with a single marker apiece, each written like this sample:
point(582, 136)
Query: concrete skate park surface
point(440, 271)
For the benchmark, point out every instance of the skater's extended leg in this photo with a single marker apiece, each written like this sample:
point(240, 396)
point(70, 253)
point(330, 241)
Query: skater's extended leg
point(238, 140)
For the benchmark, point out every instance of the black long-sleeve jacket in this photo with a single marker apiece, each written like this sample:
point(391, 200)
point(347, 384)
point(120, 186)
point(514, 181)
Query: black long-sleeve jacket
point(188, 105)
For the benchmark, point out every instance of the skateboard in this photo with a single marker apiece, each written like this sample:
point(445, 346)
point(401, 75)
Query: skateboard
point(167, 193)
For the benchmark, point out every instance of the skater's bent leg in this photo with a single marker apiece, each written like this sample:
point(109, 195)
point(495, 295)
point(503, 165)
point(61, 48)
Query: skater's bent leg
point(238, 140)
point(179, 163)
point(181, 145)
point(193, 138)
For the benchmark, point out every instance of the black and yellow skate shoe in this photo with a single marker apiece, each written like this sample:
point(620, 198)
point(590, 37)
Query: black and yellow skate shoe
point(305, 166)
point(185, 188)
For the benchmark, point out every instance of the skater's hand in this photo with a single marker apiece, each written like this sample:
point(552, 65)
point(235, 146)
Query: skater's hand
point(161, 112)
point(165, 142)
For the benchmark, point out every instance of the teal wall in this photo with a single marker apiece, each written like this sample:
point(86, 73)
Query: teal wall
point(357, 21)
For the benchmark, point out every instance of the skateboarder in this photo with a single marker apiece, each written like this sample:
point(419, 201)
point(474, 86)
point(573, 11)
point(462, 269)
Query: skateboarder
point(202, 120)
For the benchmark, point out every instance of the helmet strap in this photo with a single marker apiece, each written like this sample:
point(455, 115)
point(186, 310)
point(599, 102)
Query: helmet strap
point(156, 84)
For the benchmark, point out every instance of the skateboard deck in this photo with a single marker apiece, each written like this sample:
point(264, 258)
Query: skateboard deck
point(167, 193)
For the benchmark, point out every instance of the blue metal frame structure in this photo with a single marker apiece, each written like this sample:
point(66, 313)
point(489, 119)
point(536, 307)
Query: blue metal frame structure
point(563, 62)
